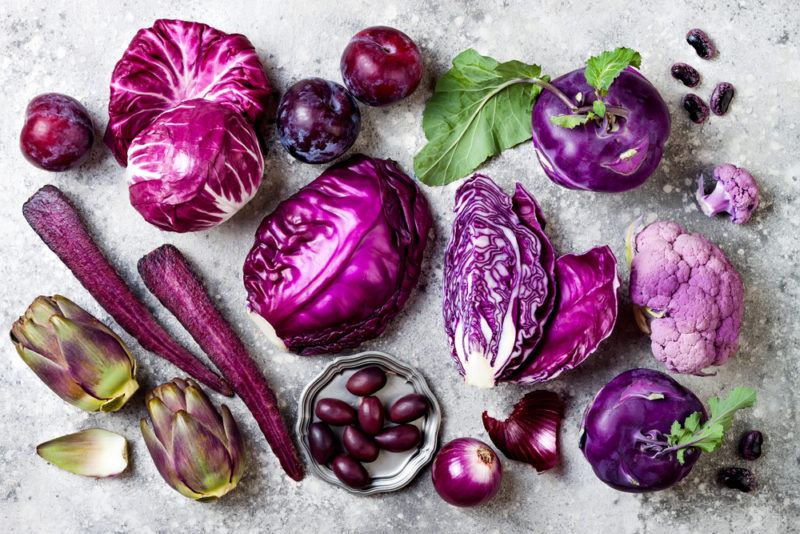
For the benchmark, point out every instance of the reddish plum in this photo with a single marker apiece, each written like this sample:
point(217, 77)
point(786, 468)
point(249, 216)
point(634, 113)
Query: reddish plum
point(58, 132)
point(318, 120)
point(381, 65)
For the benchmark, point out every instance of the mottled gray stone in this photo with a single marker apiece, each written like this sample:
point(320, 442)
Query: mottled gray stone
point(71, 47)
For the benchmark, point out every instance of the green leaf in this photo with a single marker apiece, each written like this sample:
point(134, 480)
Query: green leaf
point(93, 452)
point(680, 454)
point(599, 108)
point(709, 435)
point(479, 108)
point(571, 121)
point(602, 70)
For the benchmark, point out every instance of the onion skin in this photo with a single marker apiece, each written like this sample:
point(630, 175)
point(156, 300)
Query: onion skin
point(466, 472)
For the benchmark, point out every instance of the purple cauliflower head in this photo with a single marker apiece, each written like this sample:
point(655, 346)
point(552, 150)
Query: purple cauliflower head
point(686, 295)
point(735, 193)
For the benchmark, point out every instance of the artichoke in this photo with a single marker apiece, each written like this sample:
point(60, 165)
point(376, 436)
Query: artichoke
point(197, 449)
point(76, 355)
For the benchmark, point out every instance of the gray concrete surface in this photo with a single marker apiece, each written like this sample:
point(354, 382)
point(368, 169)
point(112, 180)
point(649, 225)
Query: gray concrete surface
point(71, 47)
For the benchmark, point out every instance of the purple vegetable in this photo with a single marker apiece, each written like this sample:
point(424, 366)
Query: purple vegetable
point(687, 296)
point(366, 381)
point(53, 217)
point(175, 61)
point(590, 157)
point(322, 441)
point(349, 471)
point(194, 166)
point(408, 408)
point(58, 132)
point(466, 472)
point(696, 109)
point(370, 415)
point(701, 43)
point(335, 412)
point(399, 438)
point(503, 284)
point(735, 193)
point(333, 264)
point(637, 407)
point(359, 445)
point(168, 275)
point(530, 434)
point(686, 74)
point(750, 445)
point(738, 478)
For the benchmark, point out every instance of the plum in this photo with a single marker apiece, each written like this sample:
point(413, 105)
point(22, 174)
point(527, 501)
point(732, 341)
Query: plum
point(407, 408)
point(58, 132)
point(366, 381)
point(381, 66)
point(322, 441)
point(318, 120)
point(592, 156)
point(335, 412)
point(349, 471)
point(399, 438)
point(370, 415)
point(359, 445)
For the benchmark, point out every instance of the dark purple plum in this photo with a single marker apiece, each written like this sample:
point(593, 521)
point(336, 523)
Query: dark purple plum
point(589, 156)
point(406, 409)
point(349, 471)
point(359, 445)
point(623, 434)
point(399, 438)
point(381, 65)
point(317, 120)
point(335, 412)
point(58, 132)
point(366, 381)
point(370, 415)
point(322, 441)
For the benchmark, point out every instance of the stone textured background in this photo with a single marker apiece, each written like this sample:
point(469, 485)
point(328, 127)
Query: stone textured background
point(71, 47)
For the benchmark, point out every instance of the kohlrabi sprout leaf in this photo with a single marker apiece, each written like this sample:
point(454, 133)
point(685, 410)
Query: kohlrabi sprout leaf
point(93, 452)
point(602, 70)
point(599, 108)
point(571, 121)
point(709, 435)
point(479, 108)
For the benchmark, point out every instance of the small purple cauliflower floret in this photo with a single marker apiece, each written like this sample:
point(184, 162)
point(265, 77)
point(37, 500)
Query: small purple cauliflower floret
point(687, 296)
point(736, 193)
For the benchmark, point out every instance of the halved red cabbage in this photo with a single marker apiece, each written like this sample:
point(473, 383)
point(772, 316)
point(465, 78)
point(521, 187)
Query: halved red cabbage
point(511, 311)
point(498, 290)
point(194, 167)
point(530, 434)
point(174, 61)
point(333, 264)
point(585, 314)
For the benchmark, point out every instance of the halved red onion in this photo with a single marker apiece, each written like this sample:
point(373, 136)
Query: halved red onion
point(530, 434)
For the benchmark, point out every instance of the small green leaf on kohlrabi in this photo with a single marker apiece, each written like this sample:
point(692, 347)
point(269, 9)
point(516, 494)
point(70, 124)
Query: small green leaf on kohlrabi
point(571, 121)
point(708, 436)
point(93, 452)
point(599, 108)
point(479, 108)
point(602, 70)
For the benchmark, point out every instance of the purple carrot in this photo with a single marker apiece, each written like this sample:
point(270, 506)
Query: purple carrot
point(168, 275)
point(55, 219)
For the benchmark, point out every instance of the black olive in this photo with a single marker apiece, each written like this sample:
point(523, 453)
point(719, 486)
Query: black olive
point(721, 98)
point(696, 108)
point(750, 445)
point(701, 43)
point(686, 74)
point(737, 478)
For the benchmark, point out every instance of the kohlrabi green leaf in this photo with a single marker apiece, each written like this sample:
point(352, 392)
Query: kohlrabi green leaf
point(602, 70)
point(708, 436)
point(93, 452)
point(599, 108)
point(571, 121)
point(479, 108)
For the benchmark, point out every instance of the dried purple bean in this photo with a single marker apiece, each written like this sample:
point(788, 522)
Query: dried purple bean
point(737, 478)
point(750, 445)
point(701, 43)
point(721, 98)
point(696, 108)
point(686, 74)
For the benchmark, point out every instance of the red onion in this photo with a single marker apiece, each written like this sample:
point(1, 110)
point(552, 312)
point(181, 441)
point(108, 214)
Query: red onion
point(466, 472)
